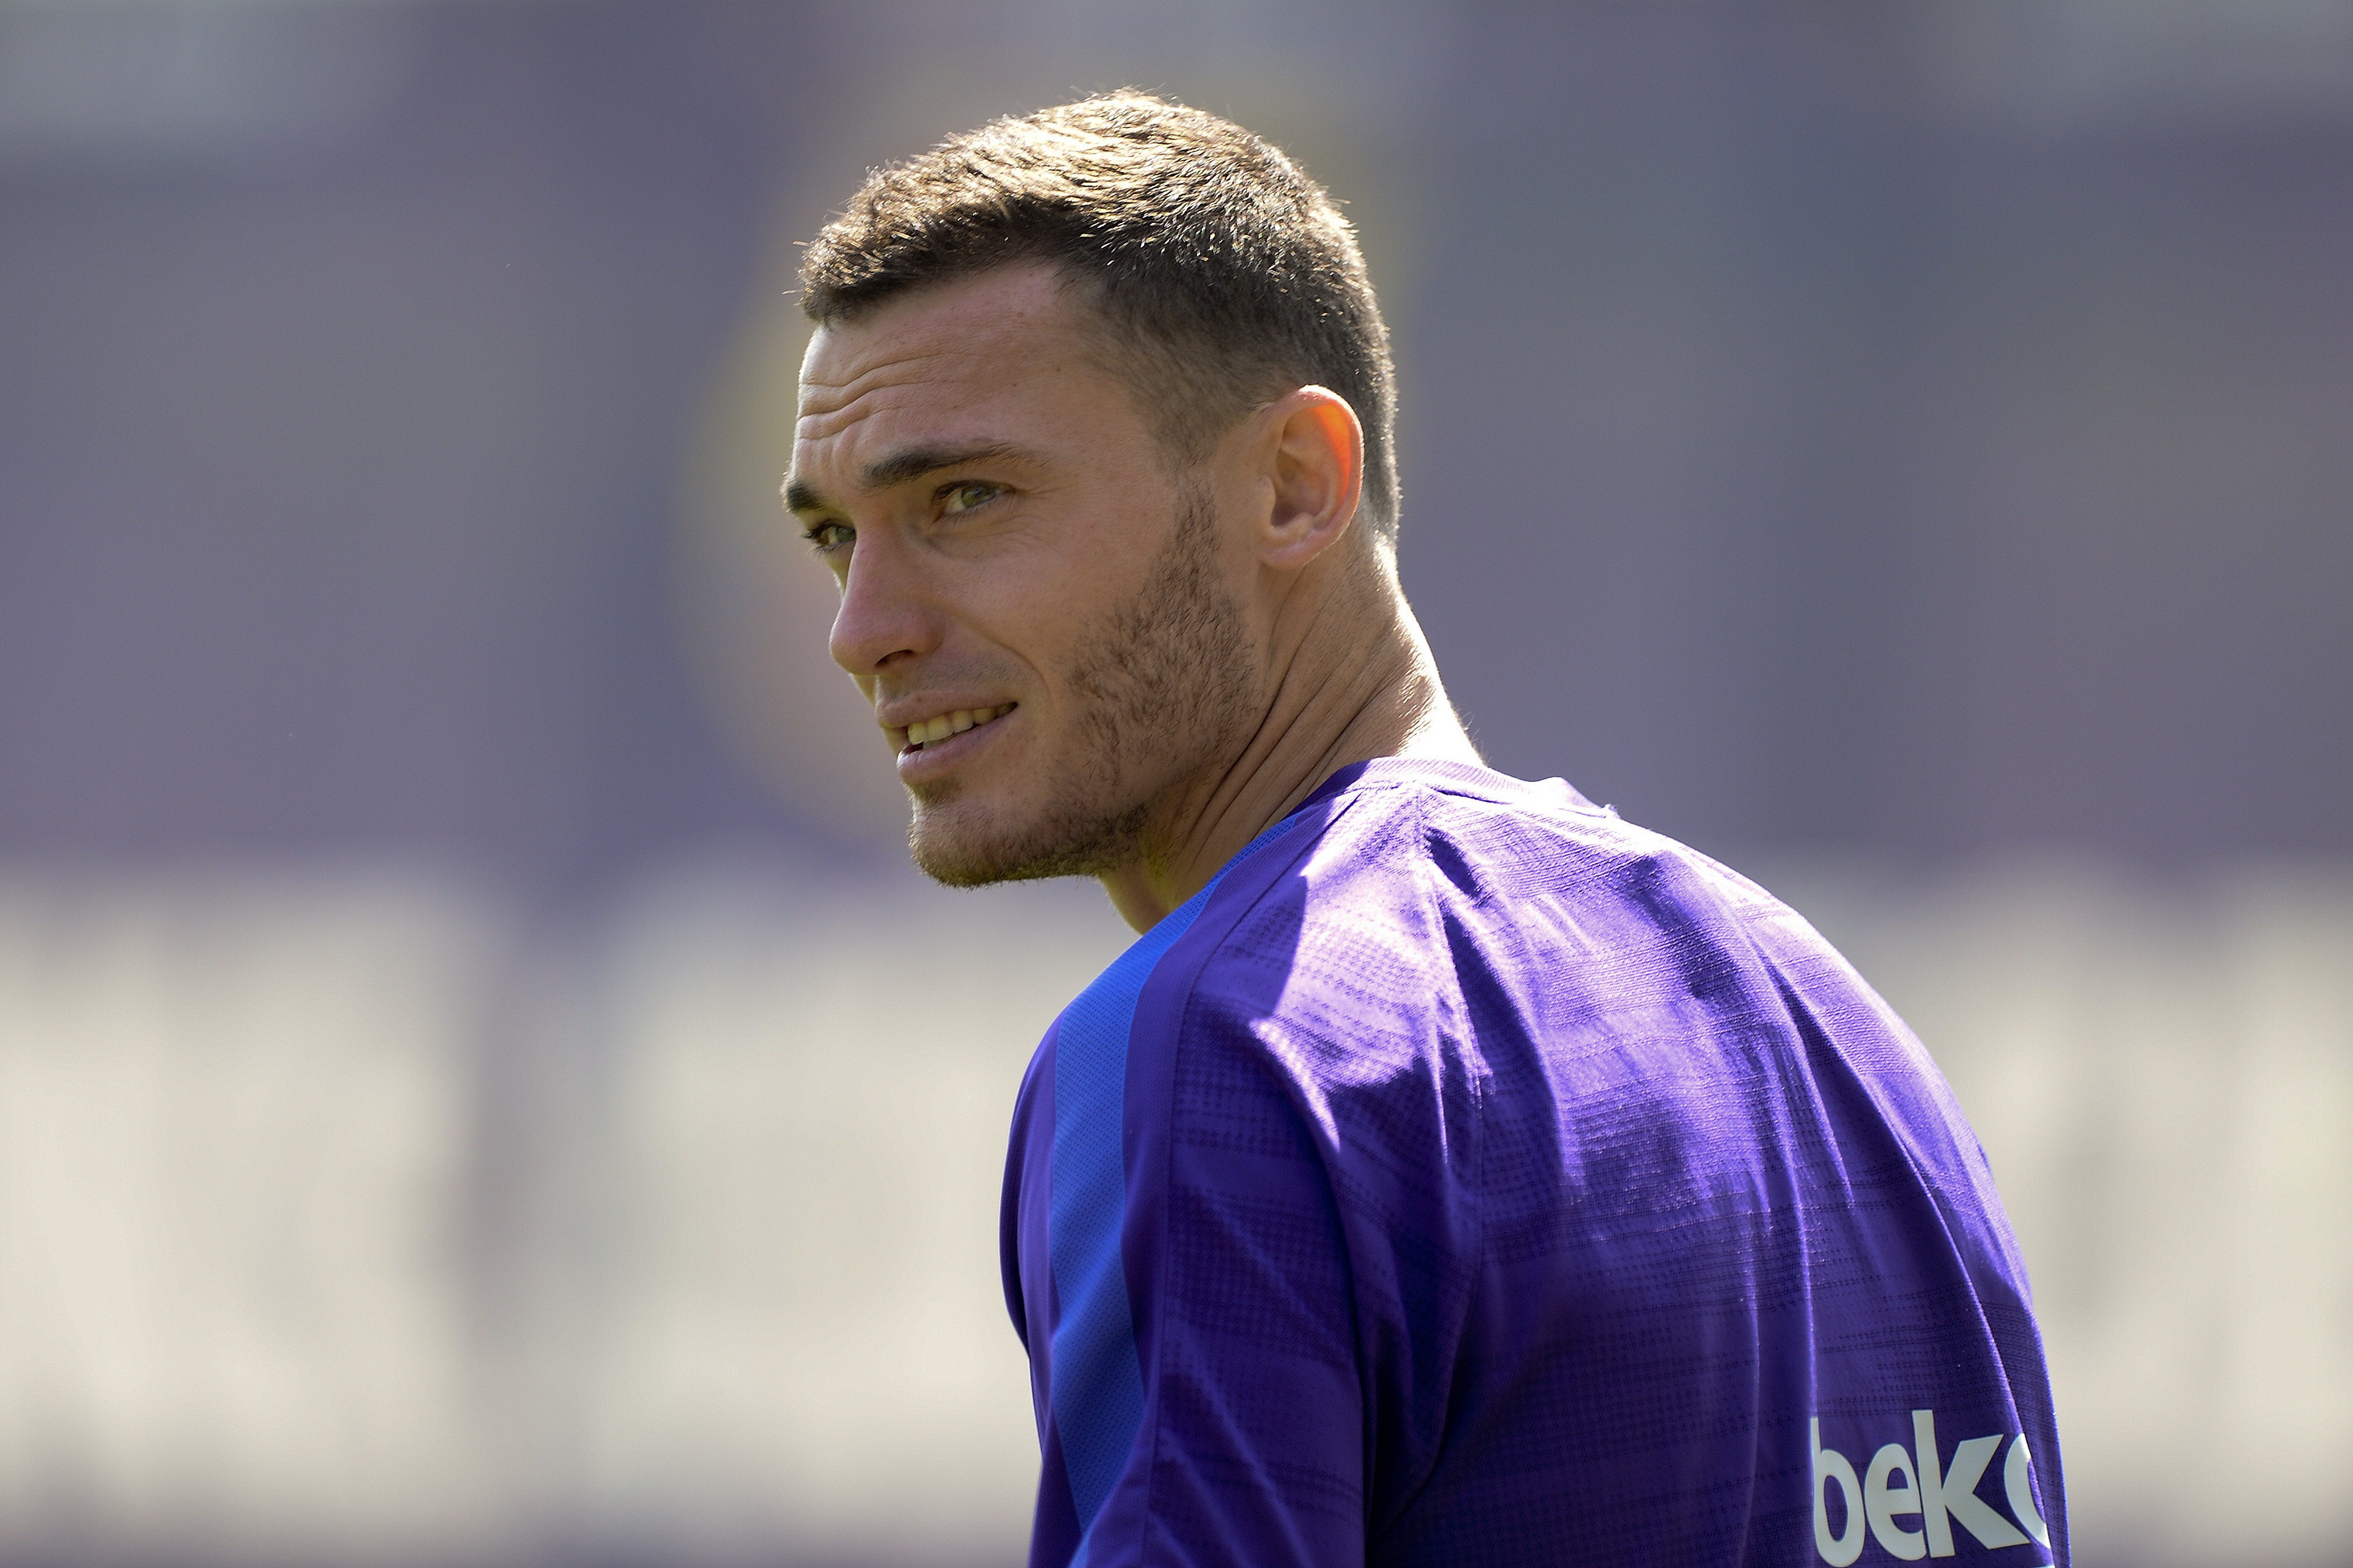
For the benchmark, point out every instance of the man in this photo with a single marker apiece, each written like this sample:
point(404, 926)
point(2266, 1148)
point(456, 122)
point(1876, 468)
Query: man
point(1451, 1173)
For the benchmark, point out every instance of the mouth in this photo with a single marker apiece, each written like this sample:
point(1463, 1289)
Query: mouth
point(924, 734)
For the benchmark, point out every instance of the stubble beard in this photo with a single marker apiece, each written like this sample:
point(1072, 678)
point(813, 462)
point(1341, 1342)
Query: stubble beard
point(1167, 675)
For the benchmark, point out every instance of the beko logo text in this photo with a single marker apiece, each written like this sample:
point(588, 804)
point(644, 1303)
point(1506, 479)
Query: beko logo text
point(1902, 1485)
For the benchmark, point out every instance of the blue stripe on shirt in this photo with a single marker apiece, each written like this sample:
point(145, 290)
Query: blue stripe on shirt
point(1097, 1387)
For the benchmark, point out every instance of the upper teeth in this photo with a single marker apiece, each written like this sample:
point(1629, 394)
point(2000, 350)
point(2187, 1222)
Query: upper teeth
point(924, 732)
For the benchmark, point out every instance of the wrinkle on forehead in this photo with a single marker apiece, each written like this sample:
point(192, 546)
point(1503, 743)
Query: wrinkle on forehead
point(998, 360)
point(896, 403)
point(827, 404)
point(949, 378)
point(1000, 320)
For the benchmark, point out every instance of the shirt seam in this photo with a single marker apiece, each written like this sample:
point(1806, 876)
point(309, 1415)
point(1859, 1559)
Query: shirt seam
point(1447, 787)
point(1165, 1176)
point(1475, 1084)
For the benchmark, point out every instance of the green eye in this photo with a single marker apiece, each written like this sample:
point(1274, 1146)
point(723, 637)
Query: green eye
point(964, 497)
point(829, 537)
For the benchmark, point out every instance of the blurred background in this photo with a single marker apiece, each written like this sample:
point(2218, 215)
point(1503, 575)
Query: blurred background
point(478, 1084)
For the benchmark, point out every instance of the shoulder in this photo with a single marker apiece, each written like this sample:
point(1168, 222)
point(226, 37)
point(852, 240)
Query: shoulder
point(1366, 946)
point(1419, 876)
point(1430, 919)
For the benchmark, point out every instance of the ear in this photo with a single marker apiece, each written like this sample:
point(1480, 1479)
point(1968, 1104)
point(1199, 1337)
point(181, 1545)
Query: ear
point(1315, 454)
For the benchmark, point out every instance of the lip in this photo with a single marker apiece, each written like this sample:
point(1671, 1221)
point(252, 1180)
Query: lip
point(938, 757)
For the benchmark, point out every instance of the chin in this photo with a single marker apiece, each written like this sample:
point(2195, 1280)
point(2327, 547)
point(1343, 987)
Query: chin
point(959, 843)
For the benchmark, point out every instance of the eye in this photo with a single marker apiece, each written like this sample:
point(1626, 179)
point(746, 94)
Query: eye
point(827, 538)
point(968, 495)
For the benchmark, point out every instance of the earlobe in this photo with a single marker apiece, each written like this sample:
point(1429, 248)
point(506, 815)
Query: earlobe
point(1317, 468)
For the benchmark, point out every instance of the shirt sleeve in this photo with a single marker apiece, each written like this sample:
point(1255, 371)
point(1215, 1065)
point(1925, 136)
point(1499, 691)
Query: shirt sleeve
point(1303, 1248)
point(1253, 1443)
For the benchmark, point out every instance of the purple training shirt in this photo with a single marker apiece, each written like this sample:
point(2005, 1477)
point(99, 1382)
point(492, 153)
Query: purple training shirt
point(1466, 1176)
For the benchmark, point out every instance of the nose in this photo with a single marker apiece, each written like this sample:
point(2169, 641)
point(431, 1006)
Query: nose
point(884, 614)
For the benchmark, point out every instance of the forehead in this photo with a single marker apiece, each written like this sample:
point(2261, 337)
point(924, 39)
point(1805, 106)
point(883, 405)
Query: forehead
point(1010, 354)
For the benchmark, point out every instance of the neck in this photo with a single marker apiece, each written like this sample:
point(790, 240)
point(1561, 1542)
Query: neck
point(1335, 702)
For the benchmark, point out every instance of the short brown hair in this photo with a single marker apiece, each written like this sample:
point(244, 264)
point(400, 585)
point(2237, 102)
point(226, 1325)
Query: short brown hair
point(1220, 266)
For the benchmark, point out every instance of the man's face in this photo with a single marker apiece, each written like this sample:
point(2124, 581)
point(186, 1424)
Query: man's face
point(1046, 618)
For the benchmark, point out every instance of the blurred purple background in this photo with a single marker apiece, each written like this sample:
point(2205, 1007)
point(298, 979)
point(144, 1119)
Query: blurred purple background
point(1920, 432)
point(1904, 449)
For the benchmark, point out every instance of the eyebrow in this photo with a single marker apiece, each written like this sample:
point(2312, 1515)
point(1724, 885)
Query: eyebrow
point(912, 463)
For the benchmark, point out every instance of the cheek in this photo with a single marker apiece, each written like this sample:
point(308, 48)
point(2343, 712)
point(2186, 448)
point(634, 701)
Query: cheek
point(1036, 617)
point(1054, 590)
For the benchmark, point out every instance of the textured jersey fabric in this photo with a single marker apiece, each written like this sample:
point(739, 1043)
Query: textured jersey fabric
point(1466, 1176)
